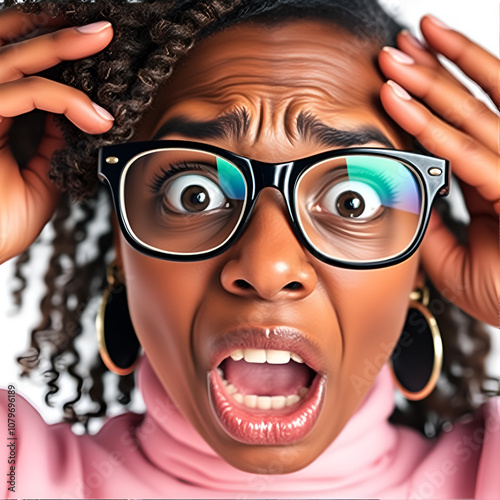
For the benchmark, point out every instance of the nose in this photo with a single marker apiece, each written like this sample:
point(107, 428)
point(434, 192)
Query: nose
point(267, 261)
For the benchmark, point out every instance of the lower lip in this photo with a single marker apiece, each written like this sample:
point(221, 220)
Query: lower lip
point(266, 427)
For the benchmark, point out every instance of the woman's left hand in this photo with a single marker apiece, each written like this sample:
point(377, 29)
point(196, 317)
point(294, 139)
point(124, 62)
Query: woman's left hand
point(457, 126)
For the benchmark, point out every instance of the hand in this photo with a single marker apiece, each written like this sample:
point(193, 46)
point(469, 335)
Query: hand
point(465, 131)
point(27, 197)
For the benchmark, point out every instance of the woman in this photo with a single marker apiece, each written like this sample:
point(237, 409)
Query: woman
point(267, 316)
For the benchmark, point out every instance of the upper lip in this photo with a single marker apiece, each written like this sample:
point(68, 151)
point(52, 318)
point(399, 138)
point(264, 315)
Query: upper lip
point(273, 337)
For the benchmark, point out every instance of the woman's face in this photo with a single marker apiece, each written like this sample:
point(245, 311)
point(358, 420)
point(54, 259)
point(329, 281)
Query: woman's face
point(267, 291)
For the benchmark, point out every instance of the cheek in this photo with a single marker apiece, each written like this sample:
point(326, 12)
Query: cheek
point(371, 309)
point(163, 300)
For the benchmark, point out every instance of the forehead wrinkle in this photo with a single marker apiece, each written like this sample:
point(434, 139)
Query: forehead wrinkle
point(278, 49)
point(250, 106)
point(313, 83)
point(274, 108)
point(274, 78)
point(262, 111)
point(330, 70)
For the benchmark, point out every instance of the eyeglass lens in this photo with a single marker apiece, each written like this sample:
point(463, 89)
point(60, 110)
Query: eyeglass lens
point(183, 201)
point(354, 208)
point(360, 208)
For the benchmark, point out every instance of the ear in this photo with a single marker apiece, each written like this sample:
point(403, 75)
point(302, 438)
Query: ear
point(117, 240)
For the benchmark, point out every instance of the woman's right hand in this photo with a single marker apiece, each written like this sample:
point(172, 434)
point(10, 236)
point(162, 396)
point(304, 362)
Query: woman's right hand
point(28, 198)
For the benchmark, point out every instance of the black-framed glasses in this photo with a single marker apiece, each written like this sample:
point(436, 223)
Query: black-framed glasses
point(357, 208)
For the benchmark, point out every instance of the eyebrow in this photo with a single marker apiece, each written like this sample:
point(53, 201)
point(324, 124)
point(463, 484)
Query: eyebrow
point(310, 127)
point(234, 124)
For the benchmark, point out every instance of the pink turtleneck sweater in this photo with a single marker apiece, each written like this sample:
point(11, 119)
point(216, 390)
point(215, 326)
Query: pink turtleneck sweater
point(160, 455)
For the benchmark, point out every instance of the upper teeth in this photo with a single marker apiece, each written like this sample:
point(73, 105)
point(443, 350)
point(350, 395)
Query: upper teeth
point(265, 355)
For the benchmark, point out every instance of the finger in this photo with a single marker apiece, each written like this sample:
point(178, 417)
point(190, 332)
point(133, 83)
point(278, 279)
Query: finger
point(10, 174)
point(52, 140)
point(28, 196)
point(33, 92)
point(37, 54)
point(43, 194)
point(424, 56)
point(450, 267)
point(454, 104)
point(471, 162)
point(476, 62)
point(439, 251)
point(15, 24)
point(476, 205)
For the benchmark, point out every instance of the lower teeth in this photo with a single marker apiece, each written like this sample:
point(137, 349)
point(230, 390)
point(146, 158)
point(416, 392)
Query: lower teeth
point(265, 402)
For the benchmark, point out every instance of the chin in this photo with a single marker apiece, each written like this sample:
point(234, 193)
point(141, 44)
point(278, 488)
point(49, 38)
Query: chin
point(272, 460)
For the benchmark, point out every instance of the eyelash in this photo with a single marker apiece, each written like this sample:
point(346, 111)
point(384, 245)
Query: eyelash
point(387, 182)
point(168, 172)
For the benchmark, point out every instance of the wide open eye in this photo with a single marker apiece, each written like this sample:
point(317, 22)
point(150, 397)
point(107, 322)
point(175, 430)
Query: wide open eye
point(193, 193)
point(182, 200)
point(351, 199)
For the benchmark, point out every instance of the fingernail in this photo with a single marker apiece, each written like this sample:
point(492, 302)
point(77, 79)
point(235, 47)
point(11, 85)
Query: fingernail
point(437, 22)
point(413, 40)
point(102, 112)
point(94, 27)
point(399, 91)
point(399, 56)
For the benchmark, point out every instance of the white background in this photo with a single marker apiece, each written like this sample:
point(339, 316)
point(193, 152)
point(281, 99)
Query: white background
point(478, 19)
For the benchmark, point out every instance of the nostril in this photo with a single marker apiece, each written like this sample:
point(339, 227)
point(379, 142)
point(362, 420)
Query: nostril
point(244, 285)
point(293, 285)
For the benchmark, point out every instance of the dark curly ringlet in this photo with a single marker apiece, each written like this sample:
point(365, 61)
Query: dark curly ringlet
point(150, 37)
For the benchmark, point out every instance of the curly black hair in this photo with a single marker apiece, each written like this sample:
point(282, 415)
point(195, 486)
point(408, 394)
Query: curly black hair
point(151, 37)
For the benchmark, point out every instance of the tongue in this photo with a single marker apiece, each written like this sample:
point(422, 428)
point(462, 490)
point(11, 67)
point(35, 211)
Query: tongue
point(264, 379)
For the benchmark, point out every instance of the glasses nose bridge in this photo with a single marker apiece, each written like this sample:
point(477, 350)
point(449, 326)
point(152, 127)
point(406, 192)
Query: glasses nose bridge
point(276, 175)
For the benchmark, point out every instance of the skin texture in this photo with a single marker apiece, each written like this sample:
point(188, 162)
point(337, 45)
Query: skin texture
point(181, 310)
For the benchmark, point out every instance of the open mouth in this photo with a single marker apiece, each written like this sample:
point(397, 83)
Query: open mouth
point(266, 396)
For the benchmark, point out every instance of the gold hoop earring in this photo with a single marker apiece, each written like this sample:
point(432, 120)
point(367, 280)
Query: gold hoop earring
point(118, 343)
point(417, 360)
